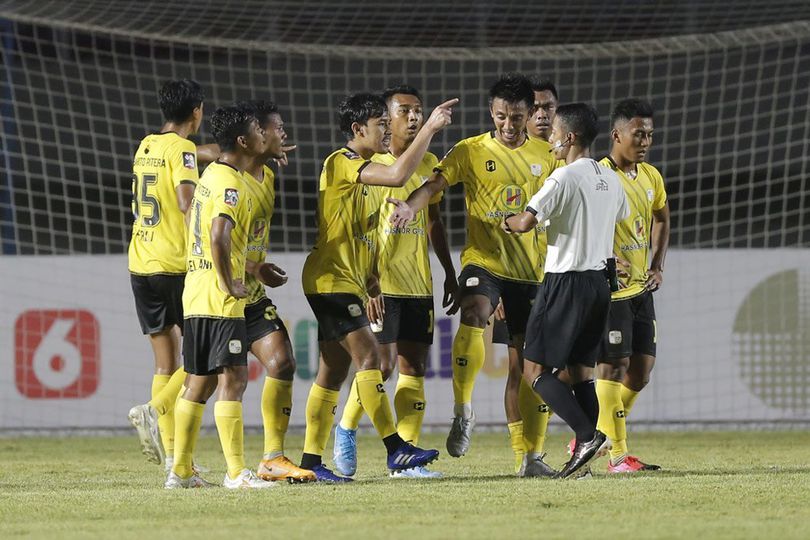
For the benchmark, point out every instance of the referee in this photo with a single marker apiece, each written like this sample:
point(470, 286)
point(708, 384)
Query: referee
point(582, 203)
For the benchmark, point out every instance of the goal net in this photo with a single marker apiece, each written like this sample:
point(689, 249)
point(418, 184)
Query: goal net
point(731, 90)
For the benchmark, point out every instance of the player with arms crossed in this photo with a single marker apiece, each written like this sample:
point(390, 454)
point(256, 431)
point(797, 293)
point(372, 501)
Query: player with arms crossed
point(406, 304)
point(498, 169)
point(632, 330)
point(337, 272)
point(582, 202)
point(215, 334)
point(164, 177)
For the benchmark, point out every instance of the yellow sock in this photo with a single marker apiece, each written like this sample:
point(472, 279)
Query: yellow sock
point(469, 352)
point(276, 410)
point(516, 439)
point(165, 421)
point(611, 415)
point(352, 411)
point(164, 400)
point(188, 417)
point(628, 399)
point(228, 417)
point(374, 400)
point(409, 403)
point(321, 405)
point(535, 418)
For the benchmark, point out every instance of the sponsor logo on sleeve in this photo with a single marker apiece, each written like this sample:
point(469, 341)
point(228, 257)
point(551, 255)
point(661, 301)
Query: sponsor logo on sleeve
point(189, 160)
point(231, 197)
point(537, 169)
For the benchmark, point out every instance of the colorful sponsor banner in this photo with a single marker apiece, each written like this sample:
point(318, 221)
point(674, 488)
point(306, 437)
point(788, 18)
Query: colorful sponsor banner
point(732, 343)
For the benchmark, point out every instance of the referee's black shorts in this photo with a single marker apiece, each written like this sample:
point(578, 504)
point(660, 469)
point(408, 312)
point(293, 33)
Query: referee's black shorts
point(569, 319)
point(632, 328)
point(517, 296)
point(158, 301)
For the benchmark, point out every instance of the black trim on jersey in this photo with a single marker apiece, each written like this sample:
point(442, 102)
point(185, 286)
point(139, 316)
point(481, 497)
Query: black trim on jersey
point(226, 164)
point(360, 170)
point(616, 167)
point(192, 182)
point(531, 210)
point(166, 133)
point(229, 218)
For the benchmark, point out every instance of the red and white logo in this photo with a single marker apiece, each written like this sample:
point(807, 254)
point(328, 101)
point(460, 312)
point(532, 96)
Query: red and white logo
point(57, 354)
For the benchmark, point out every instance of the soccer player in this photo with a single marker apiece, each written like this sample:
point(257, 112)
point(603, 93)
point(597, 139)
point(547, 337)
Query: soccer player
point(498, 168)
point(406, 303)
point(163, 181)
point(215, 334)
point(632, 329)
point(267, 336)
point(337, 271)
point(582, 201)
point(519, 395)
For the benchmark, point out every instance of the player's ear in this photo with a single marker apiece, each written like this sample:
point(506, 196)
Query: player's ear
point(358, 129)
point(241, 140)
point(614, 135)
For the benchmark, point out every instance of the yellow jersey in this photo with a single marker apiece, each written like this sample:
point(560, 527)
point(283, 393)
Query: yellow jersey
point(222, 192)
point(163, 162)
point(264, 195)
point(348, 212)
point(402, 253)
point(645, 194)
point(499, 181)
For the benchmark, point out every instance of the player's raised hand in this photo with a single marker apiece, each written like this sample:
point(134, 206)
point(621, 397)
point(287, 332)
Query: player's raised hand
point(271, 275)
point(237, 289)
point(283, 161)
point(441, 116)
point(403, 214)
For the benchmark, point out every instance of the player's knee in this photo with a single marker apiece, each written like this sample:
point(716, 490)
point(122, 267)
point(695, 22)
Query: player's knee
point(474, 315)
point(282, 367)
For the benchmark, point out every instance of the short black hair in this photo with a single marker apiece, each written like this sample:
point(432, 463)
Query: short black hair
point(264, 108)
point(229, 123)
point(400, 89)
point(582, 119)
point(178, 99)
point(513, 88)
point(630, 108)
point(543, 85)
point(359, 108)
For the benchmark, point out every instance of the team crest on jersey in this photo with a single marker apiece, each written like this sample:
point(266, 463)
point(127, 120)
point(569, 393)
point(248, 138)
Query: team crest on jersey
point(231, 197)
point(512, 197)
point(490, 165)
point(639, 229)
point(189, 160)
point(536, 168)
point(259, 228)
point(650, 195)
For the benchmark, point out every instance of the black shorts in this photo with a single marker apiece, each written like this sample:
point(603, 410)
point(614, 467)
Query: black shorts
point(500, 332)
point(211, 344)
point(631, 329)
point(261, 319)
point(158, 301)
point(337, 314)
point(569, 320)
point(517, 295)
point(407, 319)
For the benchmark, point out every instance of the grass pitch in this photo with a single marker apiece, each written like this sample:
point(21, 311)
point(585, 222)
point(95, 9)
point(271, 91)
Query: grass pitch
point(715, 485)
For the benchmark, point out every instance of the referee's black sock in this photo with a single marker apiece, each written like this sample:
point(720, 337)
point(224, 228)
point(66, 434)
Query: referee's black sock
point(585, 394)
point(561, 400)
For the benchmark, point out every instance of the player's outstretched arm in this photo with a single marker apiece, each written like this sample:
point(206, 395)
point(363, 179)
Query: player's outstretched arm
point(438, 239)
point(519, 223)
point(221, 254)
point(398, 173)
point(206, 153)
point(660, 245)
point(418, 199)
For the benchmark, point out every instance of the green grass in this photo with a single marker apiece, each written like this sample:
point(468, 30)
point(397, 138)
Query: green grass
point(716, 485)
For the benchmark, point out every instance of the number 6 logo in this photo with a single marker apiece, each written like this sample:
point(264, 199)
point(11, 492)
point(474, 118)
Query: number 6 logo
point(57, 354)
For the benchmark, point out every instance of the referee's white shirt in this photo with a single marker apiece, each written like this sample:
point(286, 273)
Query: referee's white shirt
point(582, 203)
